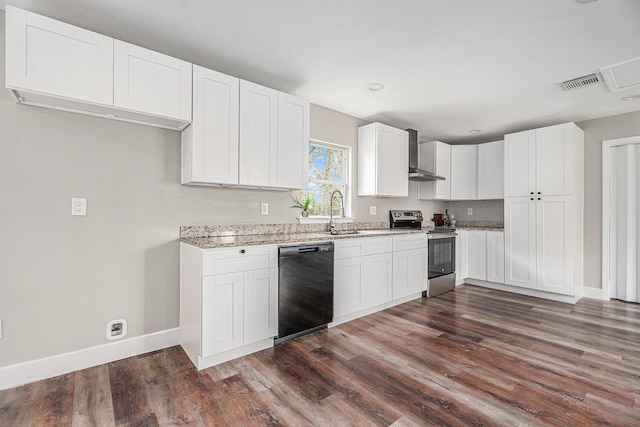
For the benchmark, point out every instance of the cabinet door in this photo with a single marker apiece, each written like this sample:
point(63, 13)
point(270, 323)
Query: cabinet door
point(293, 142)
point(520, 241)
point(477, 253)
point(258, 135)
point(210, 143)
point(520, 164)
point(222, 313)
point(151, 82)
point(462, 271)
point(409, 272)
point(555, 244)
point(48, 56)
point(347, 286)
point(554, 160)
point(464, 172)
point(443, 168)
point(260, 304)
point(495, 256)
point(435, 157)
point(378, 279)
point(383, 160)
point(491, 170)
point(399, 163)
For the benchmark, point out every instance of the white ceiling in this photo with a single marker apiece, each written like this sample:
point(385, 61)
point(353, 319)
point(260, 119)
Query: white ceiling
point(448, 66)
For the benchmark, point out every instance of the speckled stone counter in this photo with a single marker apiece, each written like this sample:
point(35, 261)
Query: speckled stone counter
point(221, 236)
point(480, 225)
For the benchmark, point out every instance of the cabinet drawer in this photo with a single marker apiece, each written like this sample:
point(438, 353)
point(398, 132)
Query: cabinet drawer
point(379, 245)
point(409, 241)
point(230, 260)
point(349, 248)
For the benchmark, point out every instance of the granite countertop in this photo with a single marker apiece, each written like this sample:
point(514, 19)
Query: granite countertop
point(292, 236)
point(480, 225)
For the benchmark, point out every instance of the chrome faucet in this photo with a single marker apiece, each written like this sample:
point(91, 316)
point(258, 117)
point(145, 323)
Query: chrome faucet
point(332, 225)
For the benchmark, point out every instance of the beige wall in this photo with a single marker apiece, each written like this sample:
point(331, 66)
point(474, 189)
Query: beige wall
point(62, 277)
point(596, 131)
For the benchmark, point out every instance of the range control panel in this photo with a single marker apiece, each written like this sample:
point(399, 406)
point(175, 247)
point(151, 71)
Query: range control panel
point(399, 218)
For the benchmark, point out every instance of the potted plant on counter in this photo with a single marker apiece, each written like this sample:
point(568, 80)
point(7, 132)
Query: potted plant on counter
point(303, 202)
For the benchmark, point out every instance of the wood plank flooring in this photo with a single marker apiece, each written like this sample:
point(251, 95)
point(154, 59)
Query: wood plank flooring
point(470, 357)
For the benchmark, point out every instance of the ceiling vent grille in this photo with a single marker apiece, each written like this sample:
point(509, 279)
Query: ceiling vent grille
point(583, 81)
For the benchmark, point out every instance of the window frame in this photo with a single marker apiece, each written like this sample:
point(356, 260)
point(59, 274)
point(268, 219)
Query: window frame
point(346, 177)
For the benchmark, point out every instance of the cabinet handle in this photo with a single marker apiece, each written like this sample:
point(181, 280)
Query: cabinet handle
point(242, 251)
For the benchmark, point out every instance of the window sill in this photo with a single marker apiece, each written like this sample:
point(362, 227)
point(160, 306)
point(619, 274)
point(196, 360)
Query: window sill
point(324, 220)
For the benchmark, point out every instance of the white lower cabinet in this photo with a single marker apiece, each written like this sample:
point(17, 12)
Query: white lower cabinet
point(480, 256)
point(409, 265)
point(477, 253)
point(228, 301)
point(374, 272)
point(495, 256)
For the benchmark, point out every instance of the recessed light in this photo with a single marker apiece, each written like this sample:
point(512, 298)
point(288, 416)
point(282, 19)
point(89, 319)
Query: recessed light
point(475, 131)
point(375, 87)
point(631, 98)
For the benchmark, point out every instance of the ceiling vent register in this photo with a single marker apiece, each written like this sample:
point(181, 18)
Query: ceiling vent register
point(583, 81)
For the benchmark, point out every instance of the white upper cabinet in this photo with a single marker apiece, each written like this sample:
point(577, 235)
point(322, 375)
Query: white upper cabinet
point(383, 161)
point(258, 135)
point(210, 144)
point(435, 157)
point(57, 65)
point(464, 172)
point(491, 170)
point(51, 57)
point(293, 142)
point(151, 82)
point(541, 161)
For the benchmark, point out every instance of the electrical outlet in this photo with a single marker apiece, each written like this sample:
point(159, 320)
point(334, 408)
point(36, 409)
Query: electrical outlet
point(116, 329)
point(469, 211)
point(264, 209)
point(372, 210)
point(0, 329)
point(78, 206)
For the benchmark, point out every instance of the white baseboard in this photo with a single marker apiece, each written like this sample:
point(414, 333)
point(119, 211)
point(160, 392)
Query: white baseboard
point(35, 370)
point(593, 293)
point(524, 291)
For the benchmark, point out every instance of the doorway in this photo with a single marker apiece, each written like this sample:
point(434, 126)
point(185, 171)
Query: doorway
point(621, 219)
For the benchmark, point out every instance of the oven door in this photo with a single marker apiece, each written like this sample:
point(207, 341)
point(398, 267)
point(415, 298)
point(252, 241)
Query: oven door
point(442, 256)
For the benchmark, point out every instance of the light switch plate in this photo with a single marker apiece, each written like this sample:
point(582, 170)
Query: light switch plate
point(264, 208)
point(469, 211)
point(78, 206)
point(372, 210)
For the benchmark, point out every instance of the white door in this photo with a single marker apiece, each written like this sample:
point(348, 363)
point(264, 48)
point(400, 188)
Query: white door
point(520, 241)
point(520, 164)
point(554, 160)
point(48, 56)
point(260, 304)
point(491, 170)
point(347, 286)
point(151, 82)
point(258, 135)
point(461, 257)
point(554, 239)
point(477, 254)
point(409, 272)
point(495, 256)
point(464, 172)
point(293, 142)
point(210, 143)
point(222, 313)
point(623, 228)
point(378, 279)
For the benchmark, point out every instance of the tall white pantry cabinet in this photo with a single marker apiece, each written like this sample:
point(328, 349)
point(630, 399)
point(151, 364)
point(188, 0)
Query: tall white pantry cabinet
point(543, 209)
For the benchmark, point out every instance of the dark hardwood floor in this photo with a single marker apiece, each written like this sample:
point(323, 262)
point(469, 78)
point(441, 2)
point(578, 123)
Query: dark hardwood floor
point(470, 357)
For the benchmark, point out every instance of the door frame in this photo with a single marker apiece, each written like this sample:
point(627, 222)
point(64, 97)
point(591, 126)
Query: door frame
point(606, 207)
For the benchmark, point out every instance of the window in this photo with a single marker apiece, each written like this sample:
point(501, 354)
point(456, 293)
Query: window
point(327, 172)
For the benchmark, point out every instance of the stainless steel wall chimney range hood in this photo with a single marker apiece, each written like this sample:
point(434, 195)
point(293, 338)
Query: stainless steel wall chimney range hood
point(416, 174)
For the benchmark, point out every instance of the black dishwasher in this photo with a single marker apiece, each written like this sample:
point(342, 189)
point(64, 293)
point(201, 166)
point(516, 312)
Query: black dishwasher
point(305, 289)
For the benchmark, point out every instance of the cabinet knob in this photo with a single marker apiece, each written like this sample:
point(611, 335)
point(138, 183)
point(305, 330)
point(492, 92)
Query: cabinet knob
point(538, 192)
point(538, 198)
point(532, 192)
point(532, 198)
point(243, 251)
